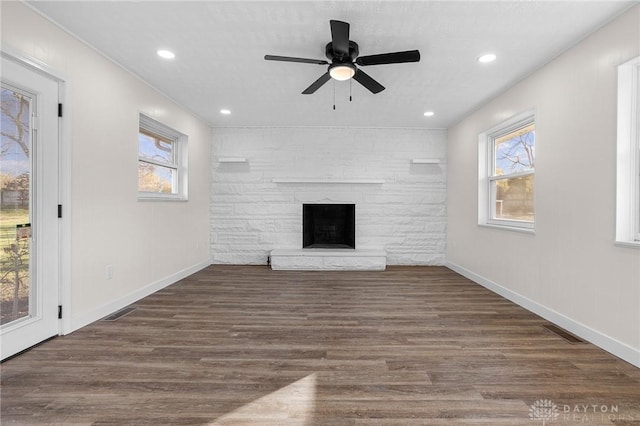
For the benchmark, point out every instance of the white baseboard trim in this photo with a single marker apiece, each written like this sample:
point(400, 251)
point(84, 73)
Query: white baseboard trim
point(111, 307)
point(609, 344)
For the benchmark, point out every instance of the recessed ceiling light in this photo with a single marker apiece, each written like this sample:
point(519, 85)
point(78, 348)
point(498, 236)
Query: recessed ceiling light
point(489, 57)
point(225, 111)
point(166, 54)
point(429, 114)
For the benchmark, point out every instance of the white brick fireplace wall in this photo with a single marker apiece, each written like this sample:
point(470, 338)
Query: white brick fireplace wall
point(262, 176)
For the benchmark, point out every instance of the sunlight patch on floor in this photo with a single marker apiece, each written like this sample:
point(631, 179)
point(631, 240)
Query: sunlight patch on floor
point(292, 405)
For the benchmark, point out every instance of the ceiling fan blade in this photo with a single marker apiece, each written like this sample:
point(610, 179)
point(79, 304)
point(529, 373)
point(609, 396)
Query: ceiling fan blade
point(290, 59)
point(368, 82)
point(340, 37)
point(389, 58)
point(317, 84)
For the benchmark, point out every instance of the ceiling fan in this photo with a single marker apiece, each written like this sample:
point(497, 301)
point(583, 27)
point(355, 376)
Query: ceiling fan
point(343, 54)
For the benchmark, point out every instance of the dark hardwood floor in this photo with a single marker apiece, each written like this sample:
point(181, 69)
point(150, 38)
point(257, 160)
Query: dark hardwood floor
point(244, 345)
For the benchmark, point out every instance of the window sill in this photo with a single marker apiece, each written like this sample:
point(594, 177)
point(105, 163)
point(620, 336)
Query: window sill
point(161, 198)
point(628, 244)
point(530, 231)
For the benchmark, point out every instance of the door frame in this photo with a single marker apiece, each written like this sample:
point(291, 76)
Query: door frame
point(64, 178)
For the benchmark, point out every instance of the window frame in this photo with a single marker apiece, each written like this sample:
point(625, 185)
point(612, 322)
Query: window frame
point(152, 127)
point(487, 176)
point(628, 155)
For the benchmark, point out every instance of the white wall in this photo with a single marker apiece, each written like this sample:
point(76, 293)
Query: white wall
point(570, 271)
point(251, 215)
point(149, 244)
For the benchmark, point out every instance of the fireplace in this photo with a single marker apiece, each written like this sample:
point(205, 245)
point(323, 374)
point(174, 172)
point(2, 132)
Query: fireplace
point(330, 226)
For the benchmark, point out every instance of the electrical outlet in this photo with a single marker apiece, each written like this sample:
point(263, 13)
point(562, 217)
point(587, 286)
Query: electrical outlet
point(108, 272)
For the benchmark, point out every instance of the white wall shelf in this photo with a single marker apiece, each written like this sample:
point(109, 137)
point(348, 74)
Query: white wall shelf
point(327, 180)
point(232, 160)
point(425, 161)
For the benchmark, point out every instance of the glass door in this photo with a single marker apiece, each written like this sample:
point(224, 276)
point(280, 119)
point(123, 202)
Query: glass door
point(29, 259)
point(15, 204)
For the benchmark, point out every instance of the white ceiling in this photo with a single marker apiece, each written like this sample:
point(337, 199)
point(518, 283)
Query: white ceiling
point(220, 45)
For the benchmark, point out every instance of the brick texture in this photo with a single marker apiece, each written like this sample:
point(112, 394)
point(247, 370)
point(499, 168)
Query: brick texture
point(405, 215)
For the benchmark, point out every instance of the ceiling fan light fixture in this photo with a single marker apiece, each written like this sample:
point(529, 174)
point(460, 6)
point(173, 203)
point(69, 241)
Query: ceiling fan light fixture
point(342, 72)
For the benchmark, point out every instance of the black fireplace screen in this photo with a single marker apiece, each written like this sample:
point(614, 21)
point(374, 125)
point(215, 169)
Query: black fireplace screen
point(329, 226)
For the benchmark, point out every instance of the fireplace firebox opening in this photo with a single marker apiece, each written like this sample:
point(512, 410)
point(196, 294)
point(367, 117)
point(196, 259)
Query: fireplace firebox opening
point(330, 226)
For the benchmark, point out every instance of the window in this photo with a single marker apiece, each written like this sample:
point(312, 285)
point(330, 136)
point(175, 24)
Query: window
point(628, 155)
point(507, 169)
point(162, 172)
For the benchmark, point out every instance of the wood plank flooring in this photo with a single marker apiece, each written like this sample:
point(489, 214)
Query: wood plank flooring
point(244, 345)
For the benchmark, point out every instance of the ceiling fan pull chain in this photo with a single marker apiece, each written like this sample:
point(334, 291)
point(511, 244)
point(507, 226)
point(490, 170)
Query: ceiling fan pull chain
point(334, 95)
point(350, 81)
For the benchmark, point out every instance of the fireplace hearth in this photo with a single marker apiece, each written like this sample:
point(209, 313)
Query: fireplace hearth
point(329, 226)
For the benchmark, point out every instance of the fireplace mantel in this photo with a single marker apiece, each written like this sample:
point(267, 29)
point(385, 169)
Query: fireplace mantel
point(328, 180)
